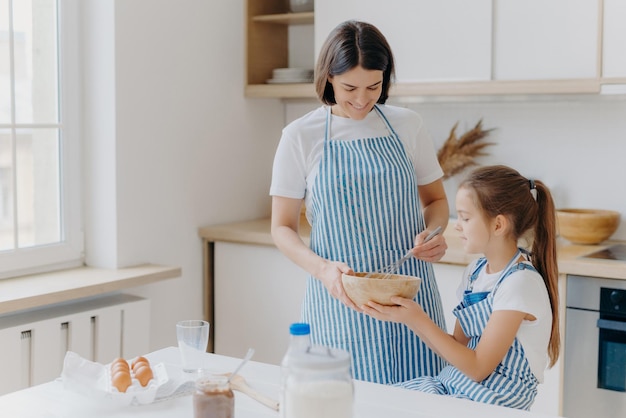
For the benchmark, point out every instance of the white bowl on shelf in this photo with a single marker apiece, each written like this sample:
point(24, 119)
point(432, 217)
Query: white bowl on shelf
point(297, 6)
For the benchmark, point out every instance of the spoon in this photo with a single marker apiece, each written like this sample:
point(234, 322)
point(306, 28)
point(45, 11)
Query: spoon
point(248, 356)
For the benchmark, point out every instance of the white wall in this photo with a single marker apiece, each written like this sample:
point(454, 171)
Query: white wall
point(182, 147)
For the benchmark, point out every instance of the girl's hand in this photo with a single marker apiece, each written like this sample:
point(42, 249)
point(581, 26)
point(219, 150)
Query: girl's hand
point(432, 250)
point(330, 276)
point(406, 311)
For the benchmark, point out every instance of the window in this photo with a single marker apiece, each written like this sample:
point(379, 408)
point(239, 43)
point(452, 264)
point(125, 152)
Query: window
point(40, 219)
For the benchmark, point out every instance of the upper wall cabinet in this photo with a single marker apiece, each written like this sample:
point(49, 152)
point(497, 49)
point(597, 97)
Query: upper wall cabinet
point(545, 39)
point(614, 39)
point(457, 47)
point(432, 40)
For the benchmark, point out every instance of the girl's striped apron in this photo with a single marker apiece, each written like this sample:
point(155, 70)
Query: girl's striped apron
point(512, 383)
point(366, 212)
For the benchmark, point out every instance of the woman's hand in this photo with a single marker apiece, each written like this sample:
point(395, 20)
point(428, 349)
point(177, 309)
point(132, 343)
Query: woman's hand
point(406, 311)
point(432, 250)
point(330, 275)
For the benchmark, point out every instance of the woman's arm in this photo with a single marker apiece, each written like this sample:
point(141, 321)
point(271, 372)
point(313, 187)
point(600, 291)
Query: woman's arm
point(436, 213)
point(285, 225)
point(477, 364)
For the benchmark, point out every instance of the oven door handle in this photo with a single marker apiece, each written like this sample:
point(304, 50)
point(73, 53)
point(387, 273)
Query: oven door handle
point(612, 325)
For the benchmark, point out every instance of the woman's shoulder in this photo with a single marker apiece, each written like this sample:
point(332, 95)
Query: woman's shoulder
point(402, 117)
point(392, 111)
point(310, 121)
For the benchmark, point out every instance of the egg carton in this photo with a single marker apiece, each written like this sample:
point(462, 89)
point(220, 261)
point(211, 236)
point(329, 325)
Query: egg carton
point(93, 380)
point(136, 393)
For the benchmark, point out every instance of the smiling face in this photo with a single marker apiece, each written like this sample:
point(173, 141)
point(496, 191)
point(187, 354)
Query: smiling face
point(474, 228)
point(356, 92)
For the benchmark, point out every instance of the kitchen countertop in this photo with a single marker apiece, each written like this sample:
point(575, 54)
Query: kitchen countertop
point(370, 401)
point(258, 232)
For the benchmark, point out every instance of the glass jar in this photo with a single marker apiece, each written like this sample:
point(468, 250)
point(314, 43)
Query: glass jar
point(318, 384)
point(213, 398)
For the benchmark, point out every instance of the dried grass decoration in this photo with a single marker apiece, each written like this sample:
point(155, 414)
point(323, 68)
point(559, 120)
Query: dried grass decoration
point(457, 154)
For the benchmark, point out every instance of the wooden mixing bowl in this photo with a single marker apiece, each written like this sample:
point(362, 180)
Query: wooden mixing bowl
point(362, 289)
point(587, 226)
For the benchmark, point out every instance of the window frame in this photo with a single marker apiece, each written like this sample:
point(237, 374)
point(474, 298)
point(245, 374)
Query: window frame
point(69, 252)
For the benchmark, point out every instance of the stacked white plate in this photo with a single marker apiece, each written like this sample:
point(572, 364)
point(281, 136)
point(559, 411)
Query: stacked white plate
point(291, 75)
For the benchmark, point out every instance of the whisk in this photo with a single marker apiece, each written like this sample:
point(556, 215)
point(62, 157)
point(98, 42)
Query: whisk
point(390, 269)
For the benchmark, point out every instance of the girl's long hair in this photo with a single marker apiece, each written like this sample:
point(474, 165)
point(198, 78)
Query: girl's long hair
point(528, 204)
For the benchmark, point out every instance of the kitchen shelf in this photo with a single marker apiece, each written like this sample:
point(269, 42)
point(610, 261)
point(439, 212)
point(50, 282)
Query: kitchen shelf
point(304, 18)
point(267, 47)
point(442, 89)
point(282, 91)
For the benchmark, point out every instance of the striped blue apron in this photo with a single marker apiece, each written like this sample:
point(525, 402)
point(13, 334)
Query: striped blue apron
point(512, 383)
point(365, 211)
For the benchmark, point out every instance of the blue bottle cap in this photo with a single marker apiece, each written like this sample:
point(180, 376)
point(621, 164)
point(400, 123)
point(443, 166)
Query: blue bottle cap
point(299, 328)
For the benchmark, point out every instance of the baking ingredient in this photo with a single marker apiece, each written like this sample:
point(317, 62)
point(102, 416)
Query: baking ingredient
point(213, 398)
point(143, 373)
point(314, 399)
point(122, 376)
point(121, 380)
point(119, 366)
point(138, 361)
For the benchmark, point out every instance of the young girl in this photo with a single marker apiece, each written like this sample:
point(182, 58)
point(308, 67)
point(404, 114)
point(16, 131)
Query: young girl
point(507, 318)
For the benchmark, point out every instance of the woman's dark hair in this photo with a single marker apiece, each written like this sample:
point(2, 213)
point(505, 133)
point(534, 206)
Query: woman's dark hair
point(351, 44)
point(529, 207)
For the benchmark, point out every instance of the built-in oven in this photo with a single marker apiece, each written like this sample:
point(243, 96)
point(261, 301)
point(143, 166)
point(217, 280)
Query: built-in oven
point(595, 348)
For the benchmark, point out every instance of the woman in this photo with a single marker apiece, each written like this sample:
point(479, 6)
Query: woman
point(362, 168)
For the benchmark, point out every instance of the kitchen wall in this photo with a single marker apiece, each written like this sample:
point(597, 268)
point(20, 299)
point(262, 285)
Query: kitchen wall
point(171, 144)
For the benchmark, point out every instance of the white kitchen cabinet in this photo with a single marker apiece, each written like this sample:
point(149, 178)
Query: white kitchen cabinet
point(432, 40)
point(258, 294)
point(545, 39)
point(614, 39)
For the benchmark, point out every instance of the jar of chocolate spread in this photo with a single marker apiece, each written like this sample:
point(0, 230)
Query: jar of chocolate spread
point(213, 398)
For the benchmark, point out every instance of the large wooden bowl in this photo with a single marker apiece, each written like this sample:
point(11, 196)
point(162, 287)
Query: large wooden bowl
point(363, 289)
point(587, 226)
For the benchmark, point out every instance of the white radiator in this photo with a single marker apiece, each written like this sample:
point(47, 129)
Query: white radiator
point(33, 344)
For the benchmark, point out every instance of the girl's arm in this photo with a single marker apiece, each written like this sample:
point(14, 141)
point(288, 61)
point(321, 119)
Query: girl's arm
point(285, 225)
point(477, 364)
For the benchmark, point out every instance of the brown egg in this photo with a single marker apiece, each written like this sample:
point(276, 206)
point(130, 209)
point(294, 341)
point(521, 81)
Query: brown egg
point(121, 380)
point(140, 360)
point(119, 360)
point(119, 366)
point(143, 373)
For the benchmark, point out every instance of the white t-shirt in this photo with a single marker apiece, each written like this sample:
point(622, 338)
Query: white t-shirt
point(523, 291)
point(302, 143)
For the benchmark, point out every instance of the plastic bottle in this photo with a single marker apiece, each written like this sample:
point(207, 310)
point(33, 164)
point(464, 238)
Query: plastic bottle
point(299, 342)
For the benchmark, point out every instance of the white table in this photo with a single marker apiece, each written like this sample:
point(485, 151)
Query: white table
point(371, 400)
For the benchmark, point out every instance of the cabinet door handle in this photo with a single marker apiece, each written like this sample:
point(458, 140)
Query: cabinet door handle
point(612, 325)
